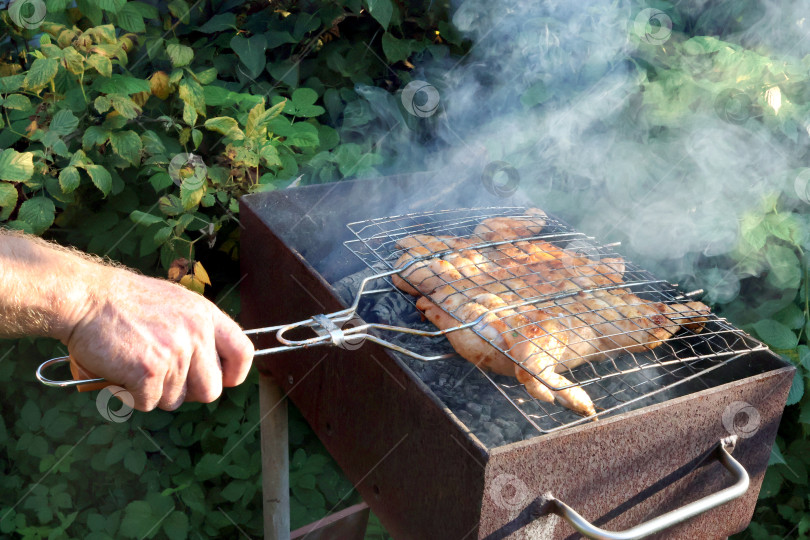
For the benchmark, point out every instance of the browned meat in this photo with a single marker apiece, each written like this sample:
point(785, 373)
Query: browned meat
point(581, 315)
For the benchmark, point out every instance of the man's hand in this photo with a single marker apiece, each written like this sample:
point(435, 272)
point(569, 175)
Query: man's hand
point(163, 343)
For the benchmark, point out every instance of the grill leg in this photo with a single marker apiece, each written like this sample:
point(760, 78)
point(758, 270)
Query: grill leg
point(275, 460)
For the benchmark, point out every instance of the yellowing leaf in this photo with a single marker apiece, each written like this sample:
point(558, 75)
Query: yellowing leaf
point(65, 36)
point(103, 33)
point(192, 283)
point(192, 93)
point(274, 111)
point(124, 106)
point(185, 135)
point(42, 71)
point(102, 64)
point(180, 55)
point(226, 126)
point(254, 121)
point(16, 166)
point(8, 199)
point(159, 82)
point(102, 104)
point(189, 115)
point(178, 269)
point(73, 61)
point(191, 197)
point(140, 98)
point(201, 274)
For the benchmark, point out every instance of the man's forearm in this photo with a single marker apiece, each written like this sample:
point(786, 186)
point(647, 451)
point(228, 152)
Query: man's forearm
point(161, 342)
point(43, 289)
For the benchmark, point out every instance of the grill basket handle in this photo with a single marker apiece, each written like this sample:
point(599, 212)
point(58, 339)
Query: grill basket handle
point(325, 327)
point(674, 517)
point(83, 385)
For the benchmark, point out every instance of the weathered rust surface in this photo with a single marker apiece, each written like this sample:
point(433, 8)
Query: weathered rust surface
point(420, 470)
point(633, 467)
point(408, 459)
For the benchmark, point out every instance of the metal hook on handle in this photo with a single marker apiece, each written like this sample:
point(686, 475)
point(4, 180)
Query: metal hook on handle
point(62, 384)
point(332, 334)
point(292, 345)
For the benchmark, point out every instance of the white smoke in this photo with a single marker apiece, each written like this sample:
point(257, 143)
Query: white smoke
point(585, 139)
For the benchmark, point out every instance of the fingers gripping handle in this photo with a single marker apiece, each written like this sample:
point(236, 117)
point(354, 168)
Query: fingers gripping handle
point(83, 385)
point(674, 517)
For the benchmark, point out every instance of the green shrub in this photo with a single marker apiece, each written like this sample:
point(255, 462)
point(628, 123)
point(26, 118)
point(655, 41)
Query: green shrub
point(130, 131)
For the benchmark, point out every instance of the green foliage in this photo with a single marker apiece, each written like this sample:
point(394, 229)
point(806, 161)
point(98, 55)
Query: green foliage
point(762, 284)
point(156, 475)
point(100, 108)
point(106, 102)
point(145, 477)
point(316, 487)
point(771, 259)
point(763, 94)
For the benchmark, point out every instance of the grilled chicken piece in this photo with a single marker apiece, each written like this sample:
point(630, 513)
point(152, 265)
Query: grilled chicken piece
point(419, 246)
point(544, 262)
point(509, 228)
point(564, 273)
point(601, 323)
point(538, 345)
point(515, 334)
point(606, 323)
point(432, 244)
point(417, 264)
point(475, 349)
point(550, 309)
point(591, 327)
point(583, 341)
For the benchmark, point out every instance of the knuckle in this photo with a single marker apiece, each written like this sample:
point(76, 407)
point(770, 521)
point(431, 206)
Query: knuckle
point(150, 365)
point(247, 347)
point(173, 396)
point(170, 405)
point(145, 404)
point(208, 394)
point(199, 330)
point(210, 389)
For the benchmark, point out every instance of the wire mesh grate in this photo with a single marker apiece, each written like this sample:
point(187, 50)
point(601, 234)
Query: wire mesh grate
point(577, 291)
